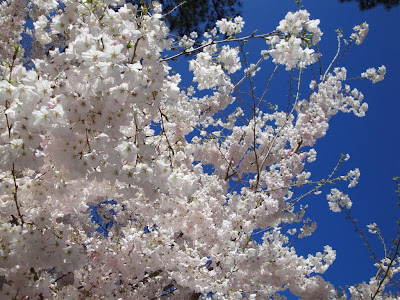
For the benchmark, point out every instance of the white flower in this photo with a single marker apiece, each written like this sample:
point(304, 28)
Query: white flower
point(293, 51)
point(127, 150)
point(41, 116)
point(337, 200)
point(43, 37)
point(41, 22)
point(353, 177)
point(374, 75)
point(113, 52)
point(373, 228)
point(252, 70)
point(230, 59)
point(230, 28)
point(360, 33)
point(307, 229)
point(186, 42)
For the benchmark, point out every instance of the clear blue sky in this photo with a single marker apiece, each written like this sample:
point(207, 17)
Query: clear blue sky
point(372, 142)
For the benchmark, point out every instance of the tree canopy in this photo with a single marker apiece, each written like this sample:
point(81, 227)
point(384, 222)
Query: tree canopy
point(368, 4)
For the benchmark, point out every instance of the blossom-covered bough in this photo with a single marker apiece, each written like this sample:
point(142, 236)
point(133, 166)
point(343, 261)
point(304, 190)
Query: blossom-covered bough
point(95, 113)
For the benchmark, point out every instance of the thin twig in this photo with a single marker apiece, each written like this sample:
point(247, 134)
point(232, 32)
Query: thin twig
point(15, 193)
point(172, 10)
point(337, 54)
point(215, 42)
point(286, 122)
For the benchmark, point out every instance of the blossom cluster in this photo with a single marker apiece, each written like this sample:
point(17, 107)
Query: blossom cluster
point(374, 75)
point(12, 20)
point(119, 183)
point(230, 28)
point(291, 46)
point(360, 32)
point(338, 200)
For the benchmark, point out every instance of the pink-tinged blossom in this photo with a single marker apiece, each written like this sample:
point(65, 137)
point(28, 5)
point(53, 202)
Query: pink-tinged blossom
point(337, 200)
point(291, 49)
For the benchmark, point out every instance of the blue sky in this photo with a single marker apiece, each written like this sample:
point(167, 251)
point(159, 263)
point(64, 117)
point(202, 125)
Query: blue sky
point(372, 141)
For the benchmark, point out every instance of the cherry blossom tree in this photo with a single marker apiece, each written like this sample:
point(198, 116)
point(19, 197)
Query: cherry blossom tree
point(181, 176)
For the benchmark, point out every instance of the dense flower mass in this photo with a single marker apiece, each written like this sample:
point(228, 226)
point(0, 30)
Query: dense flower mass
point(295, 34)
point(119, 183)
point(360, 32)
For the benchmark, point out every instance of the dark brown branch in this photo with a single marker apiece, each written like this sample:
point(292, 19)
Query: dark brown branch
point(15, 193)
point(166, 136)
point(215, 42)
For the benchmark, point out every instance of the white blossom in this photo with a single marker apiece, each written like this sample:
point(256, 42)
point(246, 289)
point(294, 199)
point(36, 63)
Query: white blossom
point(360, 32)
point(337, 200)
point(374, 75)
